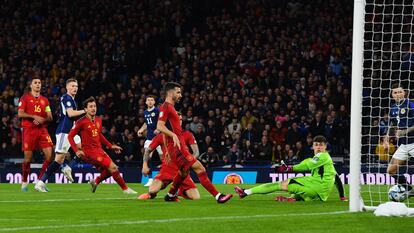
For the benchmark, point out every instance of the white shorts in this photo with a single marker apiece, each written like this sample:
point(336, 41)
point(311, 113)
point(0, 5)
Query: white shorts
point(404, 152)
point(62, 142)
point(148, 142)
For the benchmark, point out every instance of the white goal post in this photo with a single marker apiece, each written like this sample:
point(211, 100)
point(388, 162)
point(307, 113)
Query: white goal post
point(356, 106)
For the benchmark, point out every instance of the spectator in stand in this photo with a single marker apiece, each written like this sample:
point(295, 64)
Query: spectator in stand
point(209, 157)
point(278, 154)
point(234, 126)
point(234, 155)
point(293, 135)
point(130, 149)
point(247, 119)
point(264, 150)
point(250, 134)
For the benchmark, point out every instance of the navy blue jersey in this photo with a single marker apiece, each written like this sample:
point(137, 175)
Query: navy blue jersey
point(65, 122)
point(402, 116)
point(151, 118)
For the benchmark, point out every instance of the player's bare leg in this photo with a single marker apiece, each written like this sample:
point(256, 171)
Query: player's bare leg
point(155, 187)
point(199, 169)
point(172, 194)
point(28, 155)
point(48, 157)
point(113, 169)
point(392, 169)
point(192, 194)
point(47, 170)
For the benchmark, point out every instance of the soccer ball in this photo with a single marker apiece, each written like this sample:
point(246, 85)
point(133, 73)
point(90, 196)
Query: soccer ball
point(397, 193)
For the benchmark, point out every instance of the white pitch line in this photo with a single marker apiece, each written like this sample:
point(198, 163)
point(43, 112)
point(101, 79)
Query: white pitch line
point(168, 220)
point(68, 199)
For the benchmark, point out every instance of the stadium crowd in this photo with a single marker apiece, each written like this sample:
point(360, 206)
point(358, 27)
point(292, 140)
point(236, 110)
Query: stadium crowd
point(260, 78)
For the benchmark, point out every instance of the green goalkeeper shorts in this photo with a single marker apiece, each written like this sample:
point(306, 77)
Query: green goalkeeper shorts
point(301, 190)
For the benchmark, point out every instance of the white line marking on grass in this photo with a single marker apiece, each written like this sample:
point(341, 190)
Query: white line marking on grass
point(169, 220)
point(69, 199)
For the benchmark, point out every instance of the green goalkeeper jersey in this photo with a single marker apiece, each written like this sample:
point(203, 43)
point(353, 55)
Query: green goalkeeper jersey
point(323, 174)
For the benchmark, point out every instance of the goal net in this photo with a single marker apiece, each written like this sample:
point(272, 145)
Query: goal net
point(388, 59)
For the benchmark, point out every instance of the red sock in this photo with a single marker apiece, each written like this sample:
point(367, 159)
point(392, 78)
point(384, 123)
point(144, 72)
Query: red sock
point(206, 183)
point(178, 180)
point(118, 178)
point(105, 174)
point(44, 167)
point(25, 171)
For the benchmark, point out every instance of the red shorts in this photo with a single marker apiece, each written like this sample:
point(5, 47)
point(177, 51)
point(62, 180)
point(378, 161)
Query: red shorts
point(36, 138)
point(167, 174)
point(97, 158)
point(181, 157)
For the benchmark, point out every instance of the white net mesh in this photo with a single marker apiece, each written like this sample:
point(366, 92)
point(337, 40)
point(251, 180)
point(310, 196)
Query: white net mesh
point(388, 59)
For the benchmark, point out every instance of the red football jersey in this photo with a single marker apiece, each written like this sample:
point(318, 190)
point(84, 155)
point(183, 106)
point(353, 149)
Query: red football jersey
point(188, 138)
point(90, 133)
point(169, 114)
point(159, 141)
point(34, 106)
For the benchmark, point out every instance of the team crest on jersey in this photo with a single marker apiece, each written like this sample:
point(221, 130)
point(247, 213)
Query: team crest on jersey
point(20, 103)
point(31, 101)
point(98, 125)
point(68, 104)
point(42, 102)
point(153, 114)
point(402, 111)
point(161, 114)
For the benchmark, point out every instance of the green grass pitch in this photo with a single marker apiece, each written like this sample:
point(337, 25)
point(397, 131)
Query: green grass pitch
point(72, 208)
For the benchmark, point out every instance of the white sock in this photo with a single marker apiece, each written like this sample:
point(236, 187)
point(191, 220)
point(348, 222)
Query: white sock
point(217, 196)
point(248, 191)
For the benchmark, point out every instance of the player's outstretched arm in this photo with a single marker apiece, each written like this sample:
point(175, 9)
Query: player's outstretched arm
point(74, 113)
point(311, 163)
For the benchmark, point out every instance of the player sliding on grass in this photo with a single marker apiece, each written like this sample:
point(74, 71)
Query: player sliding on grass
point(89, 128)
point(168, 171)
point(308, 188)
point(177, 151)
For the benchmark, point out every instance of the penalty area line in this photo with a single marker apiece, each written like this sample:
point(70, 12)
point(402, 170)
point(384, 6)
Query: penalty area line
point(169, 220)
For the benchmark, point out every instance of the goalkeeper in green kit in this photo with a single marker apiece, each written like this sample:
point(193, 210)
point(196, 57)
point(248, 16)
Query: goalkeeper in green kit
point(308, 188)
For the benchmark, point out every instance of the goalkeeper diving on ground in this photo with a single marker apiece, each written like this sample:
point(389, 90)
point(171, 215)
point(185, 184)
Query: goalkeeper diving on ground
point(318, 186)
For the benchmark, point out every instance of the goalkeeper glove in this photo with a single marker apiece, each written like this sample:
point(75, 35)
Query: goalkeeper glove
point(284, 168)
